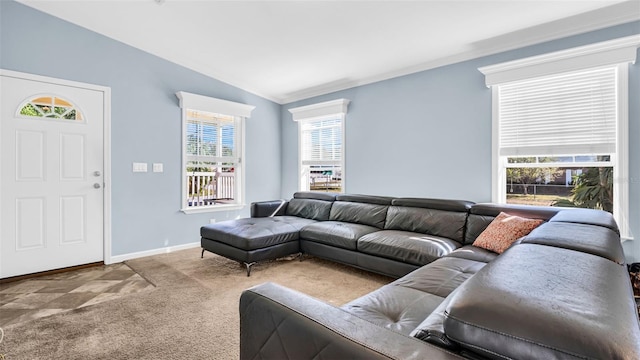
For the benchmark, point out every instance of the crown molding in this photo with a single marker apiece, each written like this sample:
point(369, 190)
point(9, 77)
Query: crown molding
point(617, 14)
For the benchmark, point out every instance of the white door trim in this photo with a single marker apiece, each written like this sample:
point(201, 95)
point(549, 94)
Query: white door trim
point(106, 91)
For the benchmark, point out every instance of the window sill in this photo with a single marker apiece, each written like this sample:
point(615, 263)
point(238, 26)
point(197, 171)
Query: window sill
point(213, 208)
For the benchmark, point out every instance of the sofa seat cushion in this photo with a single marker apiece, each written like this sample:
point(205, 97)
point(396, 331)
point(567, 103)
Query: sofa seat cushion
point(395, 307)
point(255, 233)
point(546, 302)
point(405, 246)
point(474, 253)
point(336, 233)
point(442, 276)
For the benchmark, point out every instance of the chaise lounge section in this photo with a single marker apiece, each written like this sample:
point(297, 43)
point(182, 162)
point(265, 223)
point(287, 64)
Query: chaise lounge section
point(272, 231)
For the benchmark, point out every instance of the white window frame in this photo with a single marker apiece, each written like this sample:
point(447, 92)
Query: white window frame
point(315, 112)
point(189, 101)
point(619, 52)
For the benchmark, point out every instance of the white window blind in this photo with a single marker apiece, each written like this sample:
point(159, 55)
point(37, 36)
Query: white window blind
point(322, 141)
point(572, 113)
point(211, 138)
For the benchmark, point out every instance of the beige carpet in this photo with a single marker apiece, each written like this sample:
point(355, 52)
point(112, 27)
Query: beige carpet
point(191, 314)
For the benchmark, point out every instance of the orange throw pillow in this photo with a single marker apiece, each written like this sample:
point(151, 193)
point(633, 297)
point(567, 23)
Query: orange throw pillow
point(503, 231)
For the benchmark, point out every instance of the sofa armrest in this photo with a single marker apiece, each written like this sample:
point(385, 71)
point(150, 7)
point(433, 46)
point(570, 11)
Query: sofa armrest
point(280, 323)
point(268, 208)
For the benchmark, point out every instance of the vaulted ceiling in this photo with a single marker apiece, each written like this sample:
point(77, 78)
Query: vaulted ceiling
point(291, 50)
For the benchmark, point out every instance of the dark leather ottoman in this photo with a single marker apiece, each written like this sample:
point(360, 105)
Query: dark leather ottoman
point(253, 239)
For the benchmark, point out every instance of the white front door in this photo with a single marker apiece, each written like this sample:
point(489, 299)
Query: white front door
point(51, 176)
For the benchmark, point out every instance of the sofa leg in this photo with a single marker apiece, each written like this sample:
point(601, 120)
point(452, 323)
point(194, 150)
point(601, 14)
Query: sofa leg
point(300, 256)
point(248, 265)
point(202, 254)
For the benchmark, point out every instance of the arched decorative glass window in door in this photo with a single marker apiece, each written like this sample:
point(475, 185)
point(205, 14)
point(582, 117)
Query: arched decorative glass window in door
point(52, 107)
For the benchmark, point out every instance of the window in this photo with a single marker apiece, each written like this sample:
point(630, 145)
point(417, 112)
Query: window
point(212, 153)
point(51, 107)
point(560, 128)
point(321, 145)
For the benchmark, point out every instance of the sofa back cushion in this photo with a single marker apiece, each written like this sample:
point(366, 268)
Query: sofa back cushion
point(444, 218)
point(548, 301)
point(597, 240)
point(361, 209)
point(481, 215)
point(587, 216)
point(310, 205)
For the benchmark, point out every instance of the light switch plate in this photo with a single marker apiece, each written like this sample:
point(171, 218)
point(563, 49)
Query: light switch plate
point(158, 167)
point(139, 167)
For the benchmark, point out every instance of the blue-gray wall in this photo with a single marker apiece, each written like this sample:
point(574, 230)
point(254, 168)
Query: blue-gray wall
point(145, 120)
point(428, 134)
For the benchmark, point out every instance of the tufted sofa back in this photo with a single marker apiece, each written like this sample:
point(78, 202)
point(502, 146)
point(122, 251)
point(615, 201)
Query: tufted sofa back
point(458, 220)
point(444, 218)
point(361, 209)
point(310, 205)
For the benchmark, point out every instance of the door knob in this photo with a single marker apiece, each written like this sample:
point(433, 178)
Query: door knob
point(96, 173)
point(96, 185)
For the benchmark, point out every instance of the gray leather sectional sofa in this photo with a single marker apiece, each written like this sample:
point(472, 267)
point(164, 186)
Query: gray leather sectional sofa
point(561, 292)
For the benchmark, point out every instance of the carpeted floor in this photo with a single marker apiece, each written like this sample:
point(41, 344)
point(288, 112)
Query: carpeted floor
point(52, 293)
point(192, 313)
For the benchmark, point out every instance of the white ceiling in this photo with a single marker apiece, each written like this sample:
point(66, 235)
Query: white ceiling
point(291, 50)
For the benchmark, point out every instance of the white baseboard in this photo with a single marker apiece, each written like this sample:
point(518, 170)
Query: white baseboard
point(164, 250)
